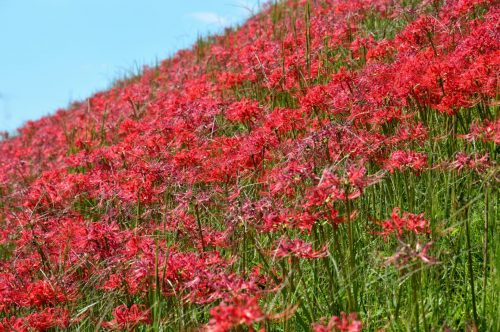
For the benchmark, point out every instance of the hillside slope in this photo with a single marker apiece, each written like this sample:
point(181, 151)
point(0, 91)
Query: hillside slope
point(330, 165)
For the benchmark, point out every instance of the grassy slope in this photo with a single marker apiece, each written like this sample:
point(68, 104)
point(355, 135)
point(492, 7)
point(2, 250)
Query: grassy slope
point(174, 189)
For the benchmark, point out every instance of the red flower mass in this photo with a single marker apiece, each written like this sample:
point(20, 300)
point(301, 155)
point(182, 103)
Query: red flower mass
point(176, 182)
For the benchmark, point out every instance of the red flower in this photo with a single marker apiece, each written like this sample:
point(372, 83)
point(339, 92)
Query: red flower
point(475, 162)
point(243, 310)
point(401, 160)
point(128, 318)
point(487, 131)
point(298, 248)
point(244, 111)
point(407, 222)
point(42, 292)
point(43, 320)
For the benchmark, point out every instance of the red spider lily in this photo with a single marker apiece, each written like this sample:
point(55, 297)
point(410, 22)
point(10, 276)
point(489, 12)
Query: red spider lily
point(244, 111)
point(329, 188)
point(405, 222)
point(345, 323)
point(209, 286)
point(487, 131)
point(242, 310)
point(45, 319)
point(41, 293)
point(49, 318)
point(475, 162)
point(128, 318)
point(406, 255)
point(359, 180)
point(411, 132)
point(401, 160)
point(115, 281)
point(298, 248)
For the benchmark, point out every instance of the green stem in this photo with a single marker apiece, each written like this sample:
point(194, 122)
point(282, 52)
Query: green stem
point(485, 247)
point(352, 277)
point(200, 231)
point(398, 303)
point(414, 286)
point(469, 265)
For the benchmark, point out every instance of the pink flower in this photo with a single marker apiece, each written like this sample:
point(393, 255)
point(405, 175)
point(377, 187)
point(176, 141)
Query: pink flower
point(406, 255)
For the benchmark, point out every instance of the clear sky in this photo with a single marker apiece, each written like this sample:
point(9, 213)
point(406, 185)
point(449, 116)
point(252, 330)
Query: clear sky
point(53, 52)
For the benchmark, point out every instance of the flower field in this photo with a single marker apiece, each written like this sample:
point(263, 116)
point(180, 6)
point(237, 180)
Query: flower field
point(330, 165)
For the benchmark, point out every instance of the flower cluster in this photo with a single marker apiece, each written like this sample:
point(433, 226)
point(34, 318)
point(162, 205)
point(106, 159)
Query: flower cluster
point(127, 318)
point(401, 223)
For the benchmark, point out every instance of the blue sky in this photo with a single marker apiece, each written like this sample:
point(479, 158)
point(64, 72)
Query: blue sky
point(53, 52)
